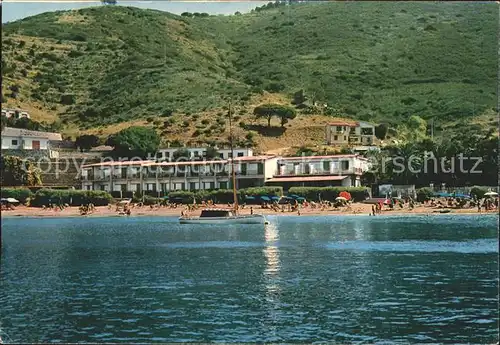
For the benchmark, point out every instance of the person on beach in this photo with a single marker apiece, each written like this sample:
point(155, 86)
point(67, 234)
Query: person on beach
point(251, 210)
point(373, 209)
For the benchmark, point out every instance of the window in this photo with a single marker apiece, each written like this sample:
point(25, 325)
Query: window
point(14, 142)
point(89, 187)
point(221, 155)
point(159, 155)
point(240, 154)
point(223, 185)
point(230, 155)
point(103, 187)
point(326, 166)
point(212, 185)
point(345, 165)
point(367, 131)
point(260, 168)
point(167, 154)
point(138, 187)
point(196, 153)
point(335, 137)
point(345, 138)
point(192, 185)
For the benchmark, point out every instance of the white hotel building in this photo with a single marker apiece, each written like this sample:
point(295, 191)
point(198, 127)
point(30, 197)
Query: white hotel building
point(251, 171)
point(151, 176)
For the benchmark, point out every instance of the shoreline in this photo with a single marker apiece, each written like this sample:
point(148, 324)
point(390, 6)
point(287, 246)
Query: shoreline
point(357, 210)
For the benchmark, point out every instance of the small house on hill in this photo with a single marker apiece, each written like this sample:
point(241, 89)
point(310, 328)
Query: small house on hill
point(23, 139)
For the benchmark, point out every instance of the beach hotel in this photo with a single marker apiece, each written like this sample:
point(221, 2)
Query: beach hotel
point(154, 177)
point(151, 176)
point(319, 171)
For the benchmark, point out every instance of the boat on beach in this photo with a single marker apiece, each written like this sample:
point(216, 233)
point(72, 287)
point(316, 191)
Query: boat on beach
point(225, 216)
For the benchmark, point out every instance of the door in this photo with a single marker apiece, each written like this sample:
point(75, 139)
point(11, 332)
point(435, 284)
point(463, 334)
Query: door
point(35, 144)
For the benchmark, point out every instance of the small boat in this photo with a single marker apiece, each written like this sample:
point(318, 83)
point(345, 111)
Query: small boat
point(222, 216)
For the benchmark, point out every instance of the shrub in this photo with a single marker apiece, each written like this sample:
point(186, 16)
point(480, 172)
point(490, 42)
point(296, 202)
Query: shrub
point(71, 197)
point(196, 133)
point(186, 196)
point(329, 193)
point(150, 119)
point(167, 112)
point(424, 194)
point(478, 192)
point(205, 122)
point(260, 191)
point(67, 99)
point(20, 194)
point(149, 200)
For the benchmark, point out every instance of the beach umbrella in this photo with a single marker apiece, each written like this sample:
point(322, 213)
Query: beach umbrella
point(249, 197)
point(12, 200)
point(345, 195)
point(166, 197)
point(301, 199)
point(340, 198)
point(275, 198)
point(265, 198)
point(491, 194)
point(294, 196)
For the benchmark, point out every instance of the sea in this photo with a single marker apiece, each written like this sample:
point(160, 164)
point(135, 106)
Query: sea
point(335, 279)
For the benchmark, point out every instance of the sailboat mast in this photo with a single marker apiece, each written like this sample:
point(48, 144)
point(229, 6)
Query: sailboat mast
point(233, 172)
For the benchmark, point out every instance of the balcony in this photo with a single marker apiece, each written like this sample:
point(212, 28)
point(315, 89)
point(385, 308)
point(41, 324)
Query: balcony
point(102, 178)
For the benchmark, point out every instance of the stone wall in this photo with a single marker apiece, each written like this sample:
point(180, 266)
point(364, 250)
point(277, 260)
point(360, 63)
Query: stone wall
point(34, 154)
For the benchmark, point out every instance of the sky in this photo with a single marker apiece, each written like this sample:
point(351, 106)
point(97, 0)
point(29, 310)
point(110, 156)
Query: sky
point(14, 10)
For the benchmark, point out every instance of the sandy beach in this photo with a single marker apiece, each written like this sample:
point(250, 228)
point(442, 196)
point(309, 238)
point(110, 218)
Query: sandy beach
point(145, 211)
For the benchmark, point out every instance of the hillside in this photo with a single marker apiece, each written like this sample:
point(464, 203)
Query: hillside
point(103, 68)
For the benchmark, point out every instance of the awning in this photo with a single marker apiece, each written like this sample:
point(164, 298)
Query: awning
point(307, 178)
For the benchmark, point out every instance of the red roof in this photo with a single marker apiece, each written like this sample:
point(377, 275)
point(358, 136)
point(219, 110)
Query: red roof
point(311, 158)
point(111, 163)
point(307, 178)
point(166, 163)
point(254, 158)
point(344, 123)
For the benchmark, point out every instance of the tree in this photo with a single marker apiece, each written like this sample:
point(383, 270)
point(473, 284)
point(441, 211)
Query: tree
point(181, 153)
point(381, 131)
point(211, 153)
point(299, 97)
point(417, 127)
point(285, 114)
point(134, 141)
point(18, 172)
point(86, 142)
point(267, 111)
point(3, 121)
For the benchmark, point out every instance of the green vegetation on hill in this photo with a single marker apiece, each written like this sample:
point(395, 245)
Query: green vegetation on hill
point(381, 62)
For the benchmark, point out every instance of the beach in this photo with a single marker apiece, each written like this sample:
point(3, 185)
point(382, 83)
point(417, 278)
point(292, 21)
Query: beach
point(145, 211)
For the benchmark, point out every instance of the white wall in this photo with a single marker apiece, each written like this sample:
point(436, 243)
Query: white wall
point(28, 143)
point(200, 150)
point(7, 143)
